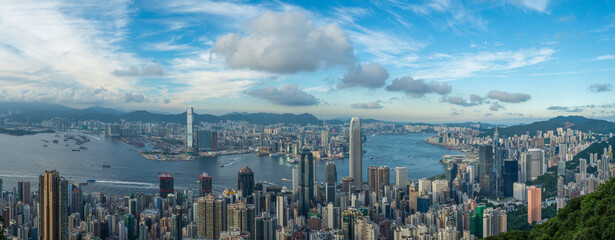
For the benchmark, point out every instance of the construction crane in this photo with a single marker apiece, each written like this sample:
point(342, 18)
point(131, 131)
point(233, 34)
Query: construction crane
point(479, 188)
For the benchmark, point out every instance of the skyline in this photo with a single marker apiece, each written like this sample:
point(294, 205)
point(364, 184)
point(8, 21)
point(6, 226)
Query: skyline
point(431, 61)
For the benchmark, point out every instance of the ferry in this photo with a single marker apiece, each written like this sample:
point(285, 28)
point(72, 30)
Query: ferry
point(90, 180)
point(284, 179)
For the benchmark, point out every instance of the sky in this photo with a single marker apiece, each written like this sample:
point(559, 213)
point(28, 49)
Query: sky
point(419, 61)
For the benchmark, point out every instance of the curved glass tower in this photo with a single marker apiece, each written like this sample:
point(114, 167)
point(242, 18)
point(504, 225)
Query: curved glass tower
point(356, 153)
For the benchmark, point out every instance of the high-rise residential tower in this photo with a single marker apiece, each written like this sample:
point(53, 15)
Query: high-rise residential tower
point(53, 211)
point(356, 153)
point(306, 182)
point(534, 201)
point(330, 181)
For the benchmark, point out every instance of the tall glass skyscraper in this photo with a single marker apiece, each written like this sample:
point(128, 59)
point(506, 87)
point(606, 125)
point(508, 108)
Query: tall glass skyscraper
point(189, 129)
point(356, 153)
point(306, 182)
point(330, 181)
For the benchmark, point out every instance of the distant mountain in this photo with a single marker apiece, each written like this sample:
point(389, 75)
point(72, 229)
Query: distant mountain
point(478, 125)
point(572, 122)
point(39, 112)
point(102, 110)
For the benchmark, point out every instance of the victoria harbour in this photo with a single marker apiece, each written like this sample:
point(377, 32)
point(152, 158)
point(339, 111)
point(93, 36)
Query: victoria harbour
point(24, 158)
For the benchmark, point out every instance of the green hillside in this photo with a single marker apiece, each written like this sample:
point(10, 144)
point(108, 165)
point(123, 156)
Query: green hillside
point(588, 217)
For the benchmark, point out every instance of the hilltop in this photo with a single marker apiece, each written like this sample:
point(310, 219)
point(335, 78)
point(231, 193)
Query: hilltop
point(572, 122)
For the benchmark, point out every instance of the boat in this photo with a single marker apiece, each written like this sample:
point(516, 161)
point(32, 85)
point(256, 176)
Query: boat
point(221, 165)
point(67, 145)
point(278, 154)
point(284, 179)
point(83, 148)
point(76, 150)
point(45, 145)
point(90, 180)
point(55, 141)
point(291, 160)
point(105, 165)
point(370, 157)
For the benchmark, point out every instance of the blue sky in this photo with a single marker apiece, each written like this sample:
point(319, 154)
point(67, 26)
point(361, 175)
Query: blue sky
point(440, 61)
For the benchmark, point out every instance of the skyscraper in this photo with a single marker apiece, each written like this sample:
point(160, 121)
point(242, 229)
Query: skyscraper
point(204, 184)
point(356, 153)
point(535, 164)
point(534, 201)
point(511, 169)
point(52, 211)
point(401, 177)
point(245, 181)
point(485, 168)
point(306, 182)
point(583, 168)
point(330, 181)
point(189, 129)
point(372, 178)
point(165, 184)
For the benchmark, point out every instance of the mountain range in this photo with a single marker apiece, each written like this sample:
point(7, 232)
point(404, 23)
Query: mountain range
point(36, 112)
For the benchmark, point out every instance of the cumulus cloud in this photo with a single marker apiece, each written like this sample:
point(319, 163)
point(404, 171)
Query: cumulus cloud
point(564, 109)
point(286, 42)
point(372, 75)
point(508, 97)
point(287, 95)
point(418, 88)
point(473, 101)
point(601, 87)
point(368, 105)
point(495, 107)
point(140, 71)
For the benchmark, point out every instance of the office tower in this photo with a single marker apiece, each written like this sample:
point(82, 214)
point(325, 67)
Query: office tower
point(130, 226)
point(347, 183)
point(524, 161)
point(510, 176)
point(204, 140)
point(355, 153)
point(245, 181)
point(583, 168)
point(53, 212)
point(451, 173)
point(264, 227)
point(401, 177)
point(165, 184)
point(413, 196)
point(485, 169)
point(384, 177)
point(330, 181)
point(306, 182)
point(534, 202)
point(23, 191)
point(372, 178)
point(280, 206)
point(1, 190)
point(295, 174)
point(535, 164)
point(423, 203)
point(204, 184)
point(178, 223)
point(189, 129)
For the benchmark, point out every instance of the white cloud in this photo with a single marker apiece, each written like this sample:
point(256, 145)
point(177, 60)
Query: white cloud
point(470, 64)
point(417, 88)
point(372, 75)
point(287, 95)
point(534, 5)
point(368, 105)
point(508, 97)
point(64, 45)
point(604, 57)
point(140, 71)
point(286, 42)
